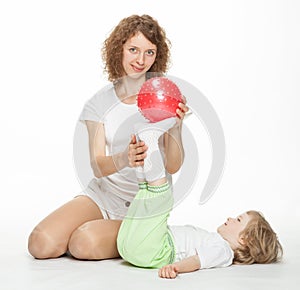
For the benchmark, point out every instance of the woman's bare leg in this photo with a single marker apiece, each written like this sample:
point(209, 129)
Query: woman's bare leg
point(51, 236)
point(95, 240)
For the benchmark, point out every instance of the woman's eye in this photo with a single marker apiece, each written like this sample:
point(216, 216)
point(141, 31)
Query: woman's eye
point(238, 219)
point(133, 49)
point(150, 52)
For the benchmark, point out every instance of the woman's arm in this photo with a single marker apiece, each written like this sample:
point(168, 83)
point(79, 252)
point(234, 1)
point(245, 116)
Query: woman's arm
point(174, 152)
point(189, 264)
point(103, 165)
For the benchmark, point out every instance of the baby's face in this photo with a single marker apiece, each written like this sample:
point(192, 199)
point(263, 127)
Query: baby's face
point(231, 229)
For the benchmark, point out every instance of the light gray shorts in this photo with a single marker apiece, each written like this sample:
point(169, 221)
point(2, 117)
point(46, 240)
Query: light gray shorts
point(111, 206)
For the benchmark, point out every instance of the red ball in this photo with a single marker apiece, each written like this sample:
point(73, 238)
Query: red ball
point(158, 99)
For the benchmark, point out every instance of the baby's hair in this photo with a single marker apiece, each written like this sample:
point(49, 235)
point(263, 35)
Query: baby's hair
point(261, 244)
point(112, 51)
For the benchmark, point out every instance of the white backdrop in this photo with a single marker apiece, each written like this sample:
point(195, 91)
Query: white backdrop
point(243, 55)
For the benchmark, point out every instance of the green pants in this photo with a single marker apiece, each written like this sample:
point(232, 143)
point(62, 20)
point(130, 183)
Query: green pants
point(144, 239)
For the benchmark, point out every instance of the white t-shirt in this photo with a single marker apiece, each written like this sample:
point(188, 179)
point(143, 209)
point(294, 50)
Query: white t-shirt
point(118, 119)
point(113, 191)
point(212, 249)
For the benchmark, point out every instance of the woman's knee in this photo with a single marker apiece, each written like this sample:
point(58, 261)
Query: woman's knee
point(42, 245)
point(82, 243)
point(95, 240)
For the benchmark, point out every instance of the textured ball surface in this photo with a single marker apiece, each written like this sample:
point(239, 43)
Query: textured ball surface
point(158, 99)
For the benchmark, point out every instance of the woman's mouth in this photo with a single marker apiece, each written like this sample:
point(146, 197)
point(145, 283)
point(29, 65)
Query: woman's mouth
point(137, 69)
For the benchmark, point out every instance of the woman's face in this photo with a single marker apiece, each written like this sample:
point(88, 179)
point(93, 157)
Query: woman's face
point(138, 55)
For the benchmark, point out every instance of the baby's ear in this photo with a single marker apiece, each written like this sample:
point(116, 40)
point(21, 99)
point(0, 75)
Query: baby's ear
point(242, 240)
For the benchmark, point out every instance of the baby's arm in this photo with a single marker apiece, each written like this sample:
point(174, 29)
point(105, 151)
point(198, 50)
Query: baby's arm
point(189, 264)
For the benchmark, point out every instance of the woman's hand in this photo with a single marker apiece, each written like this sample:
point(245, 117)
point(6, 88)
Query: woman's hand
point(182, 110)
point(136, 152)
point(169, 271)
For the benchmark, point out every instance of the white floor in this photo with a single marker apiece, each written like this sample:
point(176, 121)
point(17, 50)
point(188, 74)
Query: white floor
point(20, 271)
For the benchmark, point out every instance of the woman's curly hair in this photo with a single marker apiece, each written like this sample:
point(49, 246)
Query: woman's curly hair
point(261, 244)
point(112, 51)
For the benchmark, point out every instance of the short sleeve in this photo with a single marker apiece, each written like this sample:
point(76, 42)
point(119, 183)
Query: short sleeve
point(96, 107)
point(214, 256)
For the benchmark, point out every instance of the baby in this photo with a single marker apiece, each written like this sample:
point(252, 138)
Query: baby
point(146, 240)
point(246, 239)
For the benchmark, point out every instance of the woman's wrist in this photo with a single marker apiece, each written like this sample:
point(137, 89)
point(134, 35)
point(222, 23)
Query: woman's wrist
point(176, 130)
point(121, 160)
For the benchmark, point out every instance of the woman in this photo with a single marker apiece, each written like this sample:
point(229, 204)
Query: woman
point(88, 225)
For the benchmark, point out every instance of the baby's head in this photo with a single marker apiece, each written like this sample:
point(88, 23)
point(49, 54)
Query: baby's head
point(251, 238)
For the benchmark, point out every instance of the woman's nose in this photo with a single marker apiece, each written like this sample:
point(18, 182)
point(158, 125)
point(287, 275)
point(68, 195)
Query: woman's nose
point(140, 59)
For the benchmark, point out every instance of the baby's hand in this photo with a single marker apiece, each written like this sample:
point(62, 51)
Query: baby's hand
point(169, 271)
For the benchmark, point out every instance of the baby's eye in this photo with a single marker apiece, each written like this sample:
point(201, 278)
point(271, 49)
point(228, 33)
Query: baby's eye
point(238, 219)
